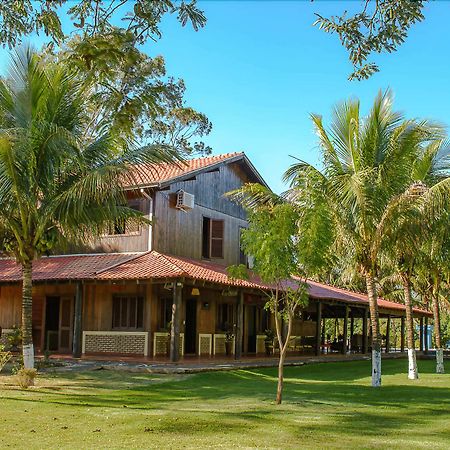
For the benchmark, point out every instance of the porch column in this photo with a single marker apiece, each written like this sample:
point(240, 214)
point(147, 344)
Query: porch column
point(239, 326)
point(345, 333)
point(176, 316)
point(352, 330)
point(421, 334)
point(318, 328)
point(365, 346)
point(388, 334)
point(426, 336)
point(77, 321)
point(402, 335)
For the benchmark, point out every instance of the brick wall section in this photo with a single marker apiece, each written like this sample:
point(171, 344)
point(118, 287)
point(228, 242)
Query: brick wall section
point(109, 343)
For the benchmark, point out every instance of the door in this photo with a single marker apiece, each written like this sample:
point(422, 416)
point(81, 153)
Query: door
point(52, 315)
point(65, 324)
point(251, 329)
point(190, 329)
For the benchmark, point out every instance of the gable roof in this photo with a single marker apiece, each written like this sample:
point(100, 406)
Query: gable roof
point(159, 175)
point(155, 265)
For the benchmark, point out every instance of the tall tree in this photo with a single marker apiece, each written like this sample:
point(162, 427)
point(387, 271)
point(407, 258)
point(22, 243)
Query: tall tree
point(286, 237)
point(58, 182)
point(366, 164)
point(103, 40)
point(381, 26)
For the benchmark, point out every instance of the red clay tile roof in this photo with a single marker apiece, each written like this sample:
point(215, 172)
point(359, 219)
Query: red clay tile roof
point(70, 267)
point(154, 265)
point(148, 175)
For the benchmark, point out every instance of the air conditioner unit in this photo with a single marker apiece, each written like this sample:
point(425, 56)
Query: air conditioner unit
point(185, 200)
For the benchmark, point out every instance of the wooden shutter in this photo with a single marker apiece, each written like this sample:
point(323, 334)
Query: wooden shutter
point(217, 228)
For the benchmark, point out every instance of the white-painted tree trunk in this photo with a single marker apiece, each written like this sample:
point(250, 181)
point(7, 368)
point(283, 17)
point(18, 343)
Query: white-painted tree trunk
point(413, 373)
point(440, 360)
point(28, 356)
point(376, 368)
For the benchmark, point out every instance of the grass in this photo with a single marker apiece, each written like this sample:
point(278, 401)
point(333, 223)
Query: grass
point(325, 406)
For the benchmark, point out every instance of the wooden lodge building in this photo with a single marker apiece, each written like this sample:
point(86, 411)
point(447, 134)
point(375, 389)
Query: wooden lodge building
point(140, 288)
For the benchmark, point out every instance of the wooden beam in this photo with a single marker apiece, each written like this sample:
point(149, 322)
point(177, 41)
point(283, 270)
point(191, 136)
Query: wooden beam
point(318, 328)
point(365, 347)
point(239, 326)
point(421, 334)
point(78, 321)
point(345, 332)
point(388, 334)
point(176, 320)
point(402, 335)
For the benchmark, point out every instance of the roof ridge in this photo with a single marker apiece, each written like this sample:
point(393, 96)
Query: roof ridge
point(171, 263)
point(117, 264)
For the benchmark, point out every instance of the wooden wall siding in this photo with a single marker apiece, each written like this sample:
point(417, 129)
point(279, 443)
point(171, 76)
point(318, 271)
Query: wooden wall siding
point(97, 305)
point(10, 306)
point(180, 233)
point(133, 242)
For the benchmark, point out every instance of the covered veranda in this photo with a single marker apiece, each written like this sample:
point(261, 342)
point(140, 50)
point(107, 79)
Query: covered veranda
point(151, 306)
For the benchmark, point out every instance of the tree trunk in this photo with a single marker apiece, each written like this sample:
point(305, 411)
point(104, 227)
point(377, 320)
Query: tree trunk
point(281, 375)
point(437, 334)
point(27, 315)
point(283, 349)
point(375, 326)
point(413, 373)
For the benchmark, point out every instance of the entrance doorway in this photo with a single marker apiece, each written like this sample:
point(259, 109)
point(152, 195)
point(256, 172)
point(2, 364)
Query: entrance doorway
point(51, 324)
point(251, 329)
point(190, 329)
point(58, 324)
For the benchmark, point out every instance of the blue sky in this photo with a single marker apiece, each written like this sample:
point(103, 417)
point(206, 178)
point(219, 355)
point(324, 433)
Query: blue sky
point(259, 68)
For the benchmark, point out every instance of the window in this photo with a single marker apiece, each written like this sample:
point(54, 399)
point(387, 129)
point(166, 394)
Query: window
point(123, 226)
point(212, 238)
point(225, 316)
point(128, 312)
point(165, 313)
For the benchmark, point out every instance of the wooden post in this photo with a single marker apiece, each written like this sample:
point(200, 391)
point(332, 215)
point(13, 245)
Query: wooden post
point(365, 343)
point(426, 336)
point(239, 326)
point(352, 330)
point(421, 334)
point(345, 332)
point(402, 335)
point(388, 334)
point(318, 328)
point(176, 316)
point(78, 321)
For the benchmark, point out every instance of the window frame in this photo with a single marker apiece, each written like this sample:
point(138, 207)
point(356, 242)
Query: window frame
point(116, 298)
point(207, 241)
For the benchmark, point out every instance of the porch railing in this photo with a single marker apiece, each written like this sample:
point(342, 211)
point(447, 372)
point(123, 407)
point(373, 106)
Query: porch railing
point(123, 342)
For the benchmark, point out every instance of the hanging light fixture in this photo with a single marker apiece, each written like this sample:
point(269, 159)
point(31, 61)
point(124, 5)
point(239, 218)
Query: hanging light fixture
point(195, 292)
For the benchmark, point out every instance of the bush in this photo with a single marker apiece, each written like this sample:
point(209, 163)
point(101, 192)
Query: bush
point(4, 357)
point(25, 377)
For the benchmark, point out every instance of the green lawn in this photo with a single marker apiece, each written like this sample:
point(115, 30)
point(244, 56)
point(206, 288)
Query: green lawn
point(326, 406)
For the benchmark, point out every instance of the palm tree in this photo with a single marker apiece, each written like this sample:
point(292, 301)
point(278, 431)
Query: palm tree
point(366, 164)
point(57, 183)
point(419, 227)
point(432, 268)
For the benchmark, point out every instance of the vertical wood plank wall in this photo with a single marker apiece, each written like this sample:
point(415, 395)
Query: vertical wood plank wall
point(180, 233)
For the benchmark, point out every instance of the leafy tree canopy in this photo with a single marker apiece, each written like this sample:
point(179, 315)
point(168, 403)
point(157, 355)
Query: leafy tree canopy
point(382, 26)
point(128, 88)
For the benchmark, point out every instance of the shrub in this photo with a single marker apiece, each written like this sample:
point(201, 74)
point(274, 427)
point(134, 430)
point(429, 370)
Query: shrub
point(25, 377)
point(4, 357)
point(14, 338)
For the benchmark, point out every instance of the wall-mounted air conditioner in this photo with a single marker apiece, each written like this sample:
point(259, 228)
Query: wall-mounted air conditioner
point(185, 200)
